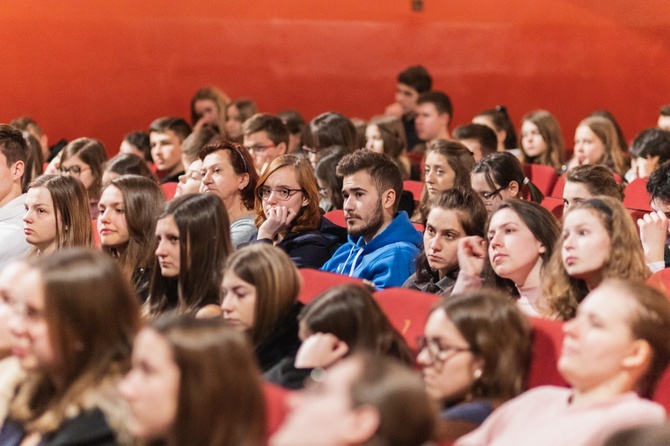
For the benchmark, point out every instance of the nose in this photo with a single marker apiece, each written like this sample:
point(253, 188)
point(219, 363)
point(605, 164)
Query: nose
point(424, 358)
point(227, 304)
point(160, 249)
point(434, 245)
point(27, 218)
point(568, 242)
point(126, 387)
point(348, 204)
point(104, 216)
point(496, 240)
point(430, 176)
point(207, 178)
point(272, 199)
point(368, 144)
point(16, 324)
point(570, 327)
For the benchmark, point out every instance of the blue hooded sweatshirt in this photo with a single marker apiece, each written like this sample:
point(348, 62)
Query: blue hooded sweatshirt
point(387, 261)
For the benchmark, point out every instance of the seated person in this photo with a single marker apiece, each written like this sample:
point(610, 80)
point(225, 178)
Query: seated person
point(362, 400)
point(266, 138)
point(655, 227)
point(650, 149)
point(166, 136)
point(614, 352)
point(412, 81)
point(478, 138)
point(664, 118)
point(382, 242)
point(587, 181)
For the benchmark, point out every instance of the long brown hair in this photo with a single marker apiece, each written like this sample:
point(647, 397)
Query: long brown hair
point(276, 279)
point(71, 207)
point(310, 216)
point(92, 152)
point(220, 398)
point(92, 336)
point(626, 259)
point(550, 131)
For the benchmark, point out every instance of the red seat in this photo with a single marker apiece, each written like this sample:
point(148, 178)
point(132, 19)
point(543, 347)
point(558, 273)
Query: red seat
point(553, 205)
point(407, 310)
point(637, 196)
point(557, 191)
point(661, 280)
point(275, 406)
point(662, 393)
point(169, 190)
point(315, 282)
point(337, 217)
point(415, 187)
point(544, 177)
point(547, 341)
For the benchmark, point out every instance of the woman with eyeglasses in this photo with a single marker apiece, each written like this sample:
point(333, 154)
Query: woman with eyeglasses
point(475, 356)
point(614, 352)
point(228, 172)
point(288, 215)
point(500, 176)
point(84, 159)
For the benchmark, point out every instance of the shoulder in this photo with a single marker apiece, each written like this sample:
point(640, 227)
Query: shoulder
point(89, 427)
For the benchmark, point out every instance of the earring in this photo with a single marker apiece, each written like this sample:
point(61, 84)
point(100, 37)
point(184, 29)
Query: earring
point(478, 373)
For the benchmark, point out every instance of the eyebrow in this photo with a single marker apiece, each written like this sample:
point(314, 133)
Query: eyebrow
point(354, 189)
point(503, 226)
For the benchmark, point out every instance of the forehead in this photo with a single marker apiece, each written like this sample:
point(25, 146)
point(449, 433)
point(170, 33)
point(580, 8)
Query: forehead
point(582, 216)
point(479, 183)
point(111, 193)
point(610, 302)
point(584, 132)
point(218, 157)
point(440, 326)
point(72, 161)
point(434, 157)
point(166, 223)
point(659, 204)
point(205, 103)
point(444, 219)
point(195, 166)
point(528, 126)
point(504, 216)
point(257, 137)
point(406, 88)
point(167, 135)
point(427, 108)
point(358, 180)
point(39, 195)
point(285, 176)
point(573, 189)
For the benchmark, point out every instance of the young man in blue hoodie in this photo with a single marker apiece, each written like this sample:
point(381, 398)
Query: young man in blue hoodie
point(382, 242)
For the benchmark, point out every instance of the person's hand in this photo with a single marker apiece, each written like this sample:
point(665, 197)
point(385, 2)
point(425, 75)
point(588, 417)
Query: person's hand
point(394, 109)
point(54, 165)
point(653, 235)
point(199, 124)
point(320, 350)
point(279, 219)
point(471, 255)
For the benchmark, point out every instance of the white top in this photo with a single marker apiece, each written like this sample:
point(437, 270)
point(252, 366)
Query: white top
point(13, 243)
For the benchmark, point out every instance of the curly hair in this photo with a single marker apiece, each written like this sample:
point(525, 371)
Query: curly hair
point(625, 260)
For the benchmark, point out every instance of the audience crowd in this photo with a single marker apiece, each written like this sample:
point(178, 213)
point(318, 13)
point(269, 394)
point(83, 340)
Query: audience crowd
point(158, 296)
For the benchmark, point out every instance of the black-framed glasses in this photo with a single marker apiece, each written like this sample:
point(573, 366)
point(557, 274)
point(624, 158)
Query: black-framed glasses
point(436, 350)
point(281, 193)
point(74, 170)
point(489, 195)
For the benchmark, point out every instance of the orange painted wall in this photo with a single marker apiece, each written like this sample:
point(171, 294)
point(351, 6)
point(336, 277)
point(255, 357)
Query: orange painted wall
point(103, 68)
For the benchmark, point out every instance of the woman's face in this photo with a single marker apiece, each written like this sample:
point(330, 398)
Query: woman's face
point(77, 168)
point(598, 340)
point(29, 327)
point(219, 178)
point(39, 223)
point(589, 149)
point(168, 250)
point(9, 300)
point(438, 174)
point(514, 252)
point(284, 179)
point(190, 180)
point(532, 142)
point(574, 193)
point(449, 367)
point(491, 197)
point(151, 387)
point(233, 122)
point(373, 138)
point(239, 302)
point(207, 110)
point(440, 239)
point(586, 245)
point(112, 225)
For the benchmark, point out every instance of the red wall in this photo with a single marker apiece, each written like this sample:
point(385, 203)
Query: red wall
point(103, 68)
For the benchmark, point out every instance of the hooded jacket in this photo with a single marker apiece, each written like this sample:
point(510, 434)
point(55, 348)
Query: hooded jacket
point(387, 261)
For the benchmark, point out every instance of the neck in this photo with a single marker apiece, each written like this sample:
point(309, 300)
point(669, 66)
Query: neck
point(444, 134)
point(529, 278)
point(594, 280)
point(14, 192)
point(47, 249)
point(236, 208)
point(613, 387)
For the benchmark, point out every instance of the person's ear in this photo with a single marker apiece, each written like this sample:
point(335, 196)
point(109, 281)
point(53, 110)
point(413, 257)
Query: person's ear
point(514, 189)
point(388, 199)
point(364, 424)
point(281, 147)
point(640, 353)
point(305, 200)
point(542, 249)
point(18, 169)
point(243, 181)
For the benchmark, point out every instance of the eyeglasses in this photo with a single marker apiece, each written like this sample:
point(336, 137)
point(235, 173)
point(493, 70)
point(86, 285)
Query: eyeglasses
point(436, 350)
point(281, 193)
point(74, 170)
point(489, 195)
point(259, 148)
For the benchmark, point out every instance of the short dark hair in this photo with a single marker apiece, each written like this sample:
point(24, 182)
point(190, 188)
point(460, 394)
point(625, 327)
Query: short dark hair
point(384, 173)
point(439, 99)
point(330, 129)
point(658, 185)
point(140, 140)
point(265, 122)
point(501, 120)
point(665, 110)
point(13, 145)
point(651, 142)
point(293, 121)
point(416, 77)
point(484, 135)
point(24, 123)
point(179, 126)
